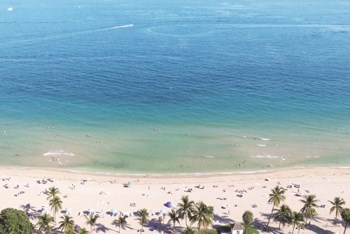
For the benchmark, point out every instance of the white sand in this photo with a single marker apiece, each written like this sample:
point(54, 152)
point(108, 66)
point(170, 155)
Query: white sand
point(106, 192)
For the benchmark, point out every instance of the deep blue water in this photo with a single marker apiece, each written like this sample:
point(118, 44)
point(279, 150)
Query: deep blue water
point(278, 68)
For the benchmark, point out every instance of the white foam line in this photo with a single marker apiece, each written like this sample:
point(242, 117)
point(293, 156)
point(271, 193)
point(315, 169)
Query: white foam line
point(64, 35)
point(286, 25)
point(124, 26)
point(155, 175)
point(58, 153)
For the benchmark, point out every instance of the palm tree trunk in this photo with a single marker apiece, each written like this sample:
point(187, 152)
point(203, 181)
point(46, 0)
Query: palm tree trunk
point(54, 216)
point(186, 220)
point(346, 225)
point(268, 222)
point(293, 228)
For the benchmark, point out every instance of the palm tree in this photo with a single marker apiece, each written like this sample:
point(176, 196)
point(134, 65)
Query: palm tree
point(297, 219)
point(56, 205)
point(53, 191)
point(185, 208)
point(189, 230)
point(247, 218)
point(283, 215)
point(173, 218)
point(276, 197)
point(83, 231)
point(44, 223)
point(91, 220)
point(66, 224)
point(337, 206)
point(121, 221)
point(345, 215)
point(301, 226)
point(143, 213)
point(202, 214)
point(308, 209)
point(69, 230)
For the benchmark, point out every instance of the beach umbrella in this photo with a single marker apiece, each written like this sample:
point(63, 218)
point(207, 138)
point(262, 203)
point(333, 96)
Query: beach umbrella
point(90, 211)
point(168, 204)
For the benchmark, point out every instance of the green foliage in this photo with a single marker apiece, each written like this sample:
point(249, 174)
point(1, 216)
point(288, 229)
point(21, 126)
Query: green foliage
point(276, 197)
point(189, 230)
point(91, 220)
point(283, 215)
point(345, 215)
point(248, 218)
point(185, 208)
point(308, 209)
point(143, 213)
point(297, 220)
point(66, 223)
point(83, 231)
point(56, 205)
point(203, 215)
point(121, 221)
point(337, 206)
point(207, 231)
point(44, 223)
point(52, 192)
point(250, 230)
point(173, 218)
point(225, 229)
point(14, 221)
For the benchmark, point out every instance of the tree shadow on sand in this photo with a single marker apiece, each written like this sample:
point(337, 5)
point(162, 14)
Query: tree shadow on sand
point(30, 210)
point(121, 227)
point(102, 228)
point(154, 225)
point(335, 223)
point(261, 225)
point(314, 225)
point(223, 219)
point(318, 229)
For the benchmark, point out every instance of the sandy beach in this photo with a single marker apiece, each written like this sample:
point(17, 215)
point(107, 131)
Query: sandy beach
point(229, 194)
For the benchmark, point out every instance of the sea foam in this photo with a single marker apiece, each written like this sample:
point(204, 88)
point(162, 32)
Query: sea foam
point(58, 153)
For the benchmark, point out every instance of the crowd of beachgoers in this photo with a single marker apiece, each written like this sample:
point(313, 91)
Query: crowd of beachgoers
point(100, 203)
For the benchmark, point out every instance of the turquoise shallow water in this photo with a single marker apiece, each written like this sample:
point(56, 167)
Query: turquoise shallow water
point(199, 86)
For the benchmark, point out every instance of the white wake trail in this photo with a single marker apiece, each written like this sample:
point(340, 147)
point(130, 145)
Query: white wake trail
point(124, 26)
point(65, 35)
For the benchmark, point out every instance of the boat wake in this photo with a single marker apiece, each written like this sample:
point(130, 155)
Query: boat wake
point(65, 35)
point(124, 26)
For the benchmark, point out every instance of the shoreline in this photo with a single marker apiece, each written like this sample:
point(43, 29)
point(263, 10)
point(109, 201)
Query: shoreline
point(277, 171)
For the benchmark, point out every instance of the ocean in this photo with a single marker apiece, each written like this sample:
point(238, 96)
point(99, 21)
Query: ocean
point(174, 86)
